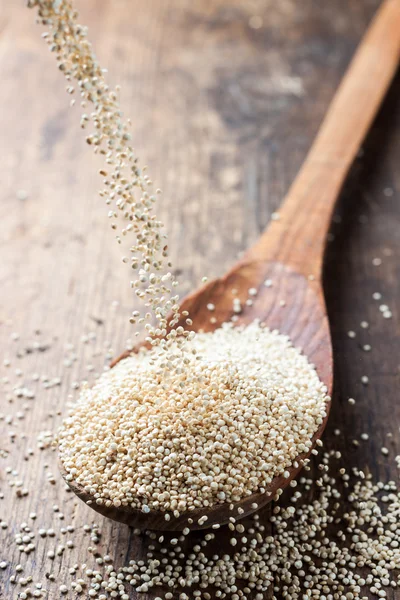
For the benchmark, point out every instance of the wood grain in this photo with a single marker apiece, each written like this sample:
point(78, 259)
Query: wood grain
point(230, 138)
point(298, 238)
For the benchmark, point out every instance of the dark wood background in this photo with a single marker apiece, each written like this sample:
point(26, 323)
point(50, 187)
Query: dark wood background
point(223, 114)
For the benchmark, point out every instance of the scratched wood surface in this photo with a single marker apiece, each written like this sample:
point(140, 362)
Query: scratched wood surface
point(225, 98)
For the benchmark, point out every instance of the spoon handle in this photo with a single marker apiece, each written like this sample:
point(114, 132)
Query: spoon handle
point(298, 237)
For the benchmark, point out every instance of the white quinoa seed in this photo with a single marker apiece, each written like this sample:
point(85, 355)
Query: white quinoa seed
point(256, 22)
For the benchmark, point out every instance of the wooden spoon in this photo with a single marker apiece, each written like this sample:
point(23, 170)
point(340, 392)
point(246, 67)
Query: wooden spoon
point(285, 265)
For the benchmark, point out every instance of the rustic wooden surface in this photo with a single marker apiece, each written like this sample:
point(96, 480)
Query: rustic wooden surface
point(224, 114)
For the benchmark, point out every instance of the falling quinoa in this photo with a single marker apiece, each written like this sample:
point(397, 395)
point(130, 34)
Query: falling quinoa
point(127, 188)
point(243, 406)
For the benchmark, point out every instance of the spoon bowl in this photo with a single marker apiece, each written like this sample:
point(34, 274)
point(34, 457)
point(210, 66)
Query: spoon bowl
point(285, 265)
point(288, 302)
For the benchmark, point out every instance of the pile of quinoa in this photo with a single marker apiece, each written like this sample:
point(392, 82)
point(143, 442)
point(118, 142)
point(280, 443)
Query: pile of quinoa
point(244, 405)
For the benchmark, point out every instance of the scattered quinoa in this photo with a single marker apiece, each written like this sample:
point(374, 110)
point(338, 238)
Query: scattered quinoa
point(281, 555)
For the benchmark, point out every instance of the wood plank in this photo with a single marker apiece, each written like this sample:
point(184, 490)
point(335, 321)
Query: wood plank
point(224, 115)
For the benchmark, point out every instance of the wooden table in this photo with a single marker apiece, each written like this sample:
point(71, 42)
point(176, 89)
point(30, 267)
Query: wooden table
point(225, 98)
